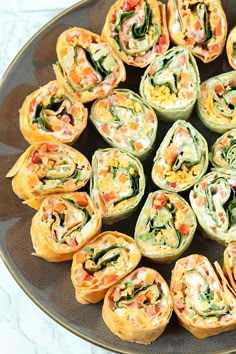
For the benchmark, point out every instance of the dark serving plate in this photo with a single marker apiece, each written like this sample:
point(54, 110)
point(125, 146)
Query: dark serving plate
point(48, 284)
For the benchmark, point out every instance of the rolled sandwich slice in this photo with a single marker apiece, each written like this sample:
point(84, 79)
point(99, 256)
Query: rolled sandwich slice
point(214, 203)
point(203, 300)
point(117, 184)
point(181, 159)
point(171, 84)
point(137, 30)
point(87, 67)
point(48, 168)
point(201, 26)
point(139, 307)
point(63, 224)
point(216, 104)
point(125, 121)
point(49, 114)
point(229, 265)
point(223, 153)
point(231, 47)
point(101, 263)
point(165, 227)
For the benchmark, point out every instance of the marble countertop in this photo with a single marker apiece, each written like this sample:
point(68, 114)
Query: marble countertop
point(24, 328)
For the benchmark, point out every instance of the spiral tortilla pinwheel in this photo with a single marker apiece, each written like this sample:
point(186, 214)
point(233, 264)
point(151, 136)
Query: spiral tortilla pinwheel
point(181, 159)
point(165, 226)
point(216, 104)
point(48, 168)
point(200, 25)
point(229, 265)
point(63, 224)
point(223, 153)
point(87, 67)
point(125, 121)
point(117, 184)
point(101, 263)
point(139, 307)
point(137, 30)
point(231, 48)
point(203, 300)
point(170, 84)
point(214, 203)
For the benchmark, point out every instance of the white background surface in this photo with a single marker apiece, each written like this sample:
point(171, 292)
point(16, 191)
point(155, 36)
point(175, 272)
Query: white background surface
point(24, 328)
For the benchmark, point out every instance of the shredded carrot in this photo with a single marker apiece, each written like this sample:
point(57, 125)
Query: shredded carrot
point(123, 178)
point(134, 125)
point(138, 146)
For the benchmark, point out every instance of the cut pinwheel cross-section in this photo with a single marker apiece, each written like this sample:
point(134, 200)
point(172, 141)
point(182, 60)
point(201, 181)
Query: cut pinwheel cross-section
point(117, 184)
point(49, 114)
point(125, 121)
point(201, 26)
point(223, 153)
point(214, 203)
point(165, 226)
point(137, 30)
point(101, 263)
point(47, 168)
point(139, 307)
point(229, 265)
point(170, 84)
point(63, 224)
point(216, 104)
point(203, 300)
point(231, 47)
point(181, 159)
point(87, 66)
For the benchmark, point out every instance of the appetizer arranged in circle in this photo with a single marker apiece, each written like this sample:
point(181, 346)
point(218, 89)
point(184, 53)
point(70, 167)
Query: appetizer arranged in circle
point(49, 114)
point(165, 227)
point(223, 153)
point(117, 184)
point(231, 48)
point(203, 301)
point(125, 121)
point(182, 158)
point(87, 66)
point(214, 203)
point(200, 25)
point(216, 104)
point(229, 265)
point(137, 30)
point(139, 307)
point(48, 168)
point(101, 263)
point(171, 83)
point(63, 224)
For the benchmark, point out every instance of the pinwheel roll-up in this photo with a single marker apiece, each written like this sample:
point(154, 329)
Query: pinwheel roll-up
point(231, 48)
point(117, 184)
point(48, 114)
point(203, 300)
point(48, 168)
point(216, 104)
point(139, 307)
point(137, 30)
point(182, 158)
point(101, 263)
point(63, 224)
point(200, 25)
point(229, 265)
point(214, 203)
point(165, 227)
point(125, 121)
point(223, 153)
point(87, 66)
point(171, 83)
